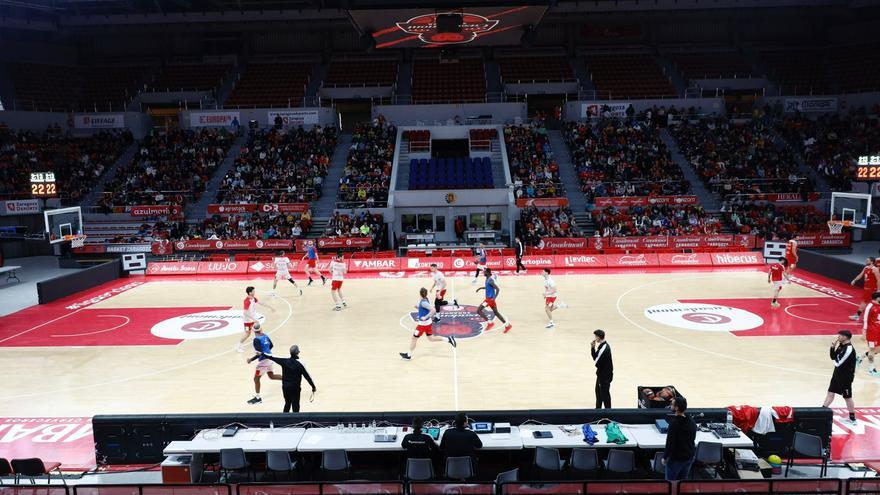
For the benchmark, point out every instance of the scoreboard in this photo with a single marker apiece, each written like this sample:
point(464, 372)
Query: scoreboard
point(43, 184)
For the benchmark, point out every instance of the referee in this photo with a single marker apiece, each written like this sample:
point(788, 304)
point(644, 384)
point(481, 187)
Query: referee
point(844, 357)
point(518, 252)
point(601, 353)
point(291, 378)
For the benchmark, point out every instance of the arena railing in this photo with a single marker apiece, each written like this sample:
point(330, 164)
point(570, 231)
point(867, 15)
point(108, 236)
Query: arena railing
point(311, 194)
point(146, 489)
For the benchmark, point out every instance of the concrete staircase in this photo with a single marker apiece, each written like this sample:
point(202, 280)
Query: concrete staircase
point(582, 74)
point(567, 173)
point(678, 82)
point(585, 223)
point(94, 194)
point(404, 79)
point(709, 200)
point(493, 81)
point(324, 207)
point(198, 209)
point(7, 90)
point(319, 72)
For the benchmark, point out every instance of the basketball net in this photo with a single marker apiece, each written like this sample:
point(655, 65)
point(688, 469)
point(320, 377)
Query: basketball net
point(836, 226)
point(77, 241)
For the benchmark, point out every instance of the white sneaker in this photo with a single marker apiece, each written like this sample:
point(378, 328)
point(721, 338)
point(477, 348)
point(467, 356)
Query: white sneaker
point(550, 325)
point(850, 422)
point(854, 317)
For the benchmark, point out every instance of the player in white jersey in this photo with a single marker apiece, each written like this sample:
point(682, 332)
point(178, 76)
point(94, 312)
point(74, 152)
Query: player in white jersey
point(337, 275)
point(282, 271)
point(440, 285)
point(550, 294)
point(249, 314)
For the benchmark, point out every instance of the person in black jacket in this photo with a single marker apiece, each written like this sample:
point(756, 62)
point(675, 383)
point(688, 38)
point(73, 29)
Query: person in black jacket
point(601, 352)
point(518, 252)
point(291, 378)
point(459, 441)
point(844, 356)
point(680, 437)
point(419, 445)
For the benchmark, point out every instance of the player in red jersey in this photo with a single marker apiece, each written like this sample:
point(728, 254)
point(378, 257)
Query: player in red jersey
point(775, 276)
point(871, 326)
point(871, 274)
point(249, 309)
point(791, 257)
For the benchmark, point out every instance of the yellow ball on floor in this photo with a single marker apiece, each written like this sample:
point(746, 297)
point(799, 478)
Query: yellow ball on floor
point(774, 459)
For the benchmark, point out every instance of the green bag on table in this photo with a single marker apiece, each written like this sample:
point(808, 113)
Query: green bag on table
point(612, 431)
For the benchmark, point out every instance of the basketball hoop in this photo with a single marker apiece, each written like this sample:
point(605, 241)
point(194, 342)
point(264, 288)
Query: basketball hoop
point(77, 241)
point(836, 226)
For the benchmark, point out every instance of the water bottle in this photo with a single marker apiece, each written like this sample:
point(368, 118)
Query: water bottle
point(271, 425)
point(729, 419)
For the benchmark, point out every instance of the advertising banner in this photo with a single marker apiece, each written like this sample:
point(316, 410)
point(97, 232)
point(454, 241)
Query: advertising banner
point(376, 265)
point(213, 119)
point(594, 108)
point(581, 261)
point(232, 244)
point(817, 239)
point(745, 258)
point(294, 117)
point(563, 243)
point(811, 105)
point(674, 242)
point(222, 267)
point(98, 121)
point(542, 202)
point(232, 209)
point(173, 268)
point(632, 260)
point(336, 243)
point(21, 207)
point(682, 259)
point(161, 247)
point(154, 210)
point(628, 201)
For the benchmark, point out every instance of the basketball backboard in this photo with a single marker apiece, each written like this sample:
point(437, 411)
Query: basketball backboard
point(63, 223)
point(852, 207)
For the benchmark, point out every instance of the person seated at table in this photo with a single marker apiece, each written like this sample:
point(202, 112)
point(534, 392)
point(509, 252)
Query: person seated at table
point(419, 445)
point(460, 441)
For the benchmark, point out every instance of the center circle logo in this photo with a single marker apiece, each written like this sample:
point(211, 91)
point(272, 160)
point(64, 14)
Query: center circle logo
point(461, 322)
point(703, 317)
point(203, 325)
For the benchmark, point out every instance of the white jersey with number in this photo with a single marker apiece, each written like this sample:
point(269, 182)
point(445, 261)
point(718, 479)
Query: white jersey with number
point(439, 280)
point(549, 287)
point(337, 270)
point(250, 310)
point(282, 264)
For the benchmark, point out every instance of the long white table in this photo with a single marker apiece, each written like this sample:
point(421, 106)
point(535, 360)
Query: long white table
point(497, 441)
point(571, 436)
point(353, 440)
point(10, 272)
point(251, 440)
point(648, 437)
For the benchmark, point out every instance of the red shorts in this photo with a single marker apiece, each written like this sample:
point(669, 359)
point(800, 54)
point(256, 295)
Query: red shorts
point(866, 295)
point(490, 302)
point(336, 285)
point(873, 338)
point(792, 260)
point(426, 329)
point(248, 325)
point(549, 301)
point(311, 263)
point(441, 293)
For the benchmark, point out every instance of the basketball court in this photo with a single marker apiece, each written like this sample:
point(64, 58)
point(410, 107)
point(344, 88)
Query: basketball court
point(165, 344)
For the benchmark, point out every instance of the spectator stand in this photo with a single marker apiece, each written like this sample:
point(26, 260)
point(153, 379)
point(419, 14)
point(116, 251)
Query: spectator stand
point(171, 168)
point(359, 77)
point(536, 223)
point(77, 162)
point(633, 75)
point(361, 224)
point(270, 84)
point(623, 158)
point(366, 178)
point(280, 166)
point(663, 220)
point(524, 73)
point(533, 168)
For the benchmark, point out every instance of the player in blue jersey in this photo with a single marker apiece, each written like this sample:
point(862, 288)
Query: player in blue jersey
point(492, 292)
point(480, 261)
point(263, 345)
point(425, 325)
point(311, 258)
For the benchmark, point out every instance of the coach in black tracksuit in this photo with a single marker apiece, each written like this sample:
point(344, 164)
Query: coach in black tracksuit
point(518, 252)
point(601, 352)
point(291, 378)
point(844, 356)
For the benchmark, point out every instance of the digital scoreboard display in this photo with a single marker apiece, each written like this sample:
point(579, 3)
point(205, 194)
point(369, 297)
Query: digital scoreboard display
point(43, 184)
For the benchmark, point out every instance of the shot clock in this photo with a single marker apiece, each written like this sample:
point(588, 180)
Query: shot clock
point(43, 184)
point(868, 168)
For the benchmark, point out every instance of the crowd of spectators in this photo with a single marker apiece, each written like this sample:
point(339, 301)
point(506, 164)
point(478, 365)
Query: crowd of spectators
point(655, 220)
point(169, 168)
point(739, 158)
point(832, 143)
point(363, 224)
point(77, 162)
point(539, 223)
point(622, 158)
point(532, 166)
point(280, 166)
point(258, 225)
point(367, 175)
point(768, 220)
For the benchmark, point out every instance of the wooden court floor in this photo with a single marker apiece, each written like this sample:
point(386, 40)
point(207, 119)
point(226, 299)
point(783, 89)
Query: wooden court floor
point(774, 357)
